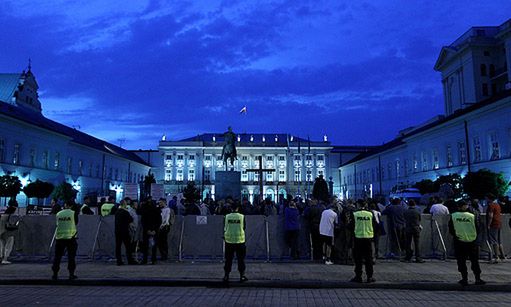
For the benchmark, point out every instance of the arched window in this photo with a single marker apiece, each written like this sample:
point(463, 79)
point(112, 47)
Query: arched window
point(483, 70)
point(492, 70)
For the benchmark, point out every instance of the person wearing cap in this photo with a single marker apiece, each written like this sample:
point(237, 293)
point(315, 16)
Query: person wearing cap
point(464, 226)
point(363, 225)
point(234, 237)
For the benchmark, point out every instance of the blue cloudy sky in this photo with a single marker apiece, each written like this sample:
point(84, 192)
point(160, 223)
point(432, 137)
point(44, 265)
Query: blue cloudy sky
point(134, 70)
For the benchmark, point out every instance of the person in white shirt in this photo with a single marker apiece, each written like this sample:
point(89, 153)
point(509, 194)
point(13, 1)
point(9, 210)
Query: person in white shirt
point(167, 219)
point(326, 230)
point(438, 208)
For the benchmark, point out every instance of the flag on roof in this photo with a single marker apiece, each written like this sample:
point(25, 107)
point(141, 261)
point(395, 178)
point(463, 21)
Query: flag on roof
point(243, 110)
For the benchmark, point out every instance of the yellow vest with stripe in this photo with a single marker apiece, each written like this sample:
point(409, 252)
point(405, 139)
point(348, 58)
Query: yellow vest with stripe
point(66, 227)
point(233, 229)
point(106, 209)
point(363, 224)
point(464, 226)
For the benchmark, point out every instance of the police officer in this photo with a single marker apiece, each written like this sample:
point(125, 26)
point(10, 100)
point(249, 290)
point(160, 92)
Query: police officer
point(108, 207)
point(464, 227)
point(234, 236)
point(85, 209)
point(65, 236)
point(363, 225)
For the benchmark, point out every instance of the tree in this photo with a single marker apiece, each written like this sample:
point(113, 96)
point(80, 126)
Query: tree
point(425, 186)
point(38, 189)
point(450, 185)
point(65, 192)
point(191, 193)
point(320, 189)
point(10, 186)
point(479, 184)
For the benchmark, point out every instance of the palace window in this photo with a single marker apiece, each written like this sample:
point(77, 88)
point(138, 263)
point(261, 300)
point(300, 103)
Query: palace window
point(168, 174)
point(449, 156)
point(282, 175)
point(415, 164)
point(477, 149)
point(16, 154)
point(191, 175)
point(297, 175)
point(462, 153)
point(483, 70)
point(424, 161)
point(32, 157)
point(168, 157)
point(70, 166)
point(495, 147)
point(207, 175)
point(244, 175)
point(436, 162)
point(2, 150)
point(56, 161)
point(309, 175)
point(179, 175)
point(80, 167)
point(269, 176)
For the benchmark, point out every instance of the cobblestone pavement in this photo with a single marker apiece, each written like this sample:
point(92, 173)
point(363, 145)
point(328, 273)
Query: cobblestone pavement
point(433, 271)
point(196, 296)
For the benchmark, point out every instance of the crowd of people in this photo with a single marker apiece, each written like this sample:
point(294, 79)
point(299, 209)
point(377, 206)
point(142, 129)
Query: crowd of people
point(343, 232)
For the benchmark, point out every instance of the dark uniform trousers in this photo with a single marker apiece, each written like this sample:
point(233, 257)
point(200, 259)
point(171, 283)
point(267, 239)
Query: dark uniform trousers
point(120, 239)
point(230, 249)
point(412, 234)
point(467, 251)
point(363, 254)
point(61, 246)
point(145, 247)
point(163, 244)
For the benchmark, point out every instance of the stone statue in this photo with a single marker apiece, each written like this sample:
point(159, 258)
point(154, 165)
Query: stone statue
point(229, 149)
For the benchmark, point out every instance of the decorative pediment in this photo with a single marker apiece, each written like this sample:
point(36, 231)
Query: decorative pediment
point(445, 54)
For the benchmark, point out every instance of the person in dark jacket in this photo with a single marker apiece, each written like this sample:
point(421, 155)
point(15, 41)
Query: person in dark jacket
point(151, 222)
point(123, 220)
point(412, 231)
point(292, 228)
point(396, 228)
point(313, 216)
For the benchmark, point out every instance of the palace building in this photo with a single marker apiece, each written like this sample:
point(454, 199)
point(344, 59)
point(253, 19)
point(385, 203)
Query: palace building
point(474, 133)
point(34, 147)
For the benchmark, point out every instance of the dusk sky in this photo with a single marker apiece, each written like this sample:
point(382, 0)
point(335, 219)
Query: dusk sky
point(135, 70)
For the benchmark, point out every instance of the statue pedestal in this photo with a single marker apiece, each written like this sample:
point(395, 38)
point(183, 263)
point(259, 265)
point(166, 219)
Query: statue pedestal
point(227, 184)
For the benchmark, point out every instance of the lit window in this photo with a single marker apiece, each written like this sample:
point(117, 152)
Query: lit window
point(282, 175)
point(495, 147)
point(16, 155)
point(168, 174)
point(436, 162)
point(191, 175)
point(56, 161)
point(80, 167)
point(179, 175)
point(70, 165)
point(449, 156)
point(424, 161)
point(297, 175)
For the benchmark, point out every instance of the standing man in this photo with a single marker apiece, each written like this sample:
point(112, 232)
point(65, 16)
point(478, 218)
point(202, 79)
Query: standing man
point(463, 226)
point(363, 226)
point(395, 213)
point(123, 221)
point(326, 230)
point(65, 239)
point(151, 222)
point(167, 219)
point(234, 236)
point(493, 225)
point(413, 231)
point(108, 208)
point(85, 209)
point(312, 214)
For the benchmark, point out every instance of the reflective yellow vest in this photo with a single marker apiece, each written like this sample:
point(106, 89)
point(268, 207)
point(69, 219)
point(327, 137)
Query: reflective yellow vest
point(464, 226)
point(66, 227)
point(363, 224)
point(233, 229)
point(106, 209)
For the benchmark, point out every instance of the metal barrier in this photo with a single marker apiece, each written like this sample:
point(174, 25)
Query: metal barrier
point(189, 239)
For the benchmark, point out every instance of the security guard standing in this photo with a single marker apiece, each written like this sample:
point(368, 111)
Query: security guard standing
point(464, 226)
point(65, 236)
point(108, 207)
point(85, 209)
point(363, 225)
point(234, 236)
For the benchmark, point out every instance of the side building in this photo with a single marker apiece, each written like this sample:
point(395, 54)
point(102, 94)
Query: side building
point(296, 163)
point(34, 147)
point(475, 132)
